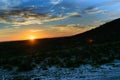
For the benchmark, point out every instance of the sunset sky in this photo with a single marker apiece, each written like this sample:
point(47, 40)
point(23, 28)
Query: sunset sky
point(20, 19)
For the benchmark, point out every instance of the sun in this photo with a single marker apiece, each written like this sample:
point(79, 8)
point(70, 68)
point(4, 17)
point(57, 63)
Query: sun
point(31, 38)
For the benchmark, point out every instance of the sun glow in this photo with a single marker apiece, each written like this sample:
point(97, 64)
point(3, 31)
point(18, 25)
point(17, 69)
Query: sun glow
point(31, 38)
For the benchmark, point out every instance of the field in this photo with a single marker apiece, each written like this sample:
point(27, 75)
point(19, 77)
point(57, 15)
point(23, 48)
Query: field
point(86, 62)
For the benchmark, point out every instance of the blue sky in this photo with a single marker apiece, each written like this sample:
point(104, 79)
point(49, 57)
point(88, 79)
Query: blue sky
point(20, 19)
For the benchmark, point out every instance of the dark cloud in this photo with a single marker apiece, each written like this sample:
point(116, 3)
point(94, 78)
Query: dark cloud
point(22, 15)
point(28, 15)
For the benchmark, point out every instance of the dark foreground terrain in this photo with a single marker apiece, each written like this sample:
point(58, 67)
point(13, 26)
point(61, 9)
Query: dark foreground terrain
point(95, 47)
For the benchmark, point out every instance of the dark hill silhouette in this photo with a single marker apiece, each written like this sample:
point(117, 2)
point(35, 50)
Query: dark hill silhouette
point(105, 33)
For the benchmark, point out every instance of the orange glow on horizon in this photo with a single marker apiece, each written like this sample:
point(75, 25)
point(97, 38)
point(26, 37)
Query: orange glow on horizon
point(36, 33)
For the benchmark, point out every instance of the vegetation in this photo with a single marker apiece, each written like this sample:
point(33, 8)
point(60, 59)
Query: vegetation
point(95, 54)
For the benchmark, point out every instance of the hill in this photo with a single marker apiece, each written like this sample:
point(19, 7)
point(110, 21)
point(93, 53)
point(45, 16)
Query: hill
point(108, 32)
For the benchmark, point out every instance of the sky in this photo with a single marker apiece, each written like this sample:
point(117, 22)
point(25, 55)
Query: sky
point(22, 19)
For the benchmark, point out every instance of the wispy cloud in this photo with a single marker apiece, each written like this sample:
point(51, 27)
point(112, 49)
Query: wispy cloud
point(55, 2)
point(74, 14)
point(36, 30)
point(67, 30)
point(95, 10)
point(27, 16)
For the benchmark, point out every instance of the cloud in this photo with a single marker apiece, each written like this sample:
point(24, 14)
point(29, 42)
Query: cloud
point(95, 10)
point(29, 15)
point(26, 16)
point(67, 30)
point(35, 30)
point(55, 2)
point(74, 14)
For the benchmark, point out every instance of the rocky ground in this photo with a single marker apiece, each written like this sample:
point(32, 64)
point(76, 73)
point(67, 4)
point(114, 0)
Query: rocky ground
point(109, 71)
